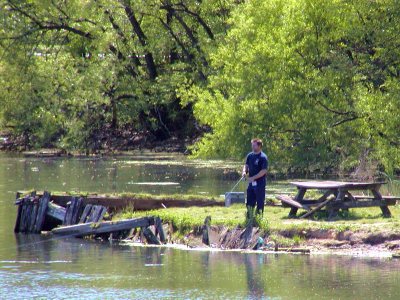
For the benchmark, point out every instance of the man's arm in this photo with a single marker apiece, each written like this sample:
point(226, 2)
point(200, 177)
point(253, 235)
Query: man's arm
point(262, 172)
point(245, 170)
point(258, 175)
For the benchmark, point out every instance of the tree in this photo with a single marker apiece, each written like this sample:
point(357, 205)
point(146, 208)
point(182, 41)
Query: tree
point(317, 79)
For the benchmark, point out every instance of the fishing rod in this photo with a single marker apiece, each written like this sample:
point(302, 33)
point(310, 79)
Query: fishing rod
point(241, 178)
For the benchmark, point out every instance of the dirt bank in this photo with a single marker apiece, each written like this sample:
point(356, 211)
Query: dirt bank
point(318, 241)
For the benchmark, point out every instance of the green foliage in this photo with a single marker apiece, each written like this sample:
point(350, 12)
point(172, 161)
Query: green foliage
point(71, 70)
point(317, 79)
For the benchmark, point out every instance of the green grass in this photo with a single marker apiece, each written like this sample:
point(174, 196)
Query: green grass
point(139, 196)
point(275, 220)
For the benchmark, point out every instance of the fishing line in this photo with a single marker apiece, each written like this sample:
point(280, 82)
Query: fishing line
point(241, 178)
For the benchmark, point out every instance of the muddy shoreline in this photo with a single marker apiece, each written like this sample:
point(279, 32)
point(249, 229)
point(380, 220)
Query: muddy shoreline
point(383, 244)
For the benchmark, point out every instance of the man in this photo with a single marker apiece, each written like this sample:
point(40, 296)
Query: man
point(256, 166)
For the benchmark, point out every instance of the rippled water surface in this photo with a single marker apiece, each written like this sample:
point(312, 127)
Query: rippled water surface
point(33, 266)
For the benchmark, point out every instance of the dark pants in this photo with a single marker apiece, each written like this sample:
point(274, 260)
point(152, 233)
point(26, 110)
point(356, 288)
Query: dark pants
point(256, 195)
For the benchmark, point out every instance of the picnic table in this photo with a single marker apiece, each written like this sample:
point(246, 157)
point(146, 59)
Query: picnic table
point(337, 195)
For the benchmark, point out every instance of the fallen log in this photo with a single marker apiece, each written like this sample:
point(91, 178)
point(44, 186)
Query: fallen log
point(93, 228)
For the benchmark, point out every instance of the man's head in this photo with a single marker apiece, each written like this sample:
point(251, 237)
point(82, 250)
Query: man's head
point(256, 145)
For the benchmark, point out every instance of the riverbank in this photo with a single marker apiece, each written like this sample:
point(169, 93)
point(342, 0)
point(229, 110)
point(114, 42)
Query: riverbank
point(363, 232)
point(114, 143)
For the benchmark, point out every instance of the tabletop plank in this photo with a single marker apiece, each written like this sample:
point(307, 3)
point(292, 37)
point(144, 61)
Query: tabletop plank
point(335, 184)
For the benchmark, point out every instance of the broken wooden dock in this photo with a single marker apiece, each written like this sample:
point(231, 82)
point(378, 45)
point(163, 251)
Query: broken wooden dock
point(76, 219)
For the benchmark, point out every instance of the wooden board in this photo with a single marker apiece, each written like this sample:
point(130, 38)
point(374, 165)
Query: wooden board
point(319, 207)
point(291, 203)
point(335, 184)
point(103, 227)
point(362, 203)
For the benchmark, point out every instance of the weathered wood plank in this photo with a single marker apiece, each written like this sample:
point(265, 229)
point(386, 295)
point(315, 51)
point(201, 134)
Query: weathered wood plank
point(42, 210)
point(18, 219)
point(159, 229)
point(336, 185)
point(101, 213)
point(362, 203)
point(299, 197)
point(289, 202)
point(86, 213)
point(55, 211)
point(94, 213)
point(35, 206)
point(23, 214)
point(68, 212)
point(205, 234)
point(319, 207)
point(77, 211)
point(103, 227)
point(150, 237)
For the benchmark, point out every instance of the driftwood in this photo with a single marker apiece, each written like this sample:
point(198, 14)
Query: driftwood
point(103, 227)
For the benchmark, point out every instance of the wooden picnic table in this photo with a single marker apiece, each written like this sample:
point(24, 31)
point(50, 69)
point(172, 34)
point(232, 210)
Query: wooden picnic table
point(337, 195)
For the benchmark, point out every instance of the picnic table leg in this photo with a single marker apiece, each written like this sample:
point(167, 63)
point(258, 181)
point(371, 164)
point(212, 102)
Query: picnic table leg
point(333, 212)
point(385, 209)
point(299, 197)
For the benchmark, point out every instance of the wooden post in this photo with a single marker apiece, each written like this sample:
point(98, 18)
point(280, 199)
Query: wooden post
point(159, 229)
point(385, 209)
point(206, 227)
point(18, 220)
point(41, 214)
point(35, 204)
point(333, 212)
point(298, 198)
point(150, 237)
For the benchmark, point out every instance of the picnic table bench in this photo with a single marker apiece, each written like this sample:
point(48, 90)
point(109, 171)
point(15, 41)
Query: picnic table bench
point(337, 195)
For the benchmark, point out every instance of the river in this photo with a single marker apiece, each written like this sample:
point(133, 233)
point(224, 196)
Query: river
point(32, 266)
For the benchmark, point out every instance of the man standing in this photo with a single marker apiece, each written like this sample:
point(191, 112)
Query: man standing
point(256, 166)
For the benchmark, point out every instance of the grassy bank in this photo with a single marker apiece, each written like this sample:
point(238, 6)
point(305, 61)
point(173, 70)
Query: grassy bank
point(365, 224)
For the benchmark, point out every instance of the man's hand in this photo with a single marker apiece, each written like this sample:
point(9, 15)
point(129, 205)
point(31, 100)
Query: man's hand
point(250, 179)
point(244, 174)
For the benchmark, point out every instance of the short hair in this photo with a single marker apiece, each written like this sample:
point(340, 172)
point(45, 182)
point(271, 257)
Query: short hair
point(258, 141)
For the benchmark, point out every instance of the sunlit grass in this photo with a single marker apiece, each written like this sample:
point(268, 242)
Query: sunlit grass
point(185, 219)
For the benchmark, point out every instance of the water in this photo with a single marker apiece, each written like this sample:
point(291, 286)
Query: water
point(33, 266)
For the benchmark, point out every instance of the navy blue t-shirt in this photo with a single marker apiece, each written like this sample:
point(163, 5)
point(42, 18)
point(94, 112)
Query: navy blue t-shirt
point(256, 163)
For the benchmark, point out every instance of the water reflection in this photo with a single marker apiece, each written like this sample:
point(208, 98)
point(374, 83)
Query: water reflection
point(42, 267)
